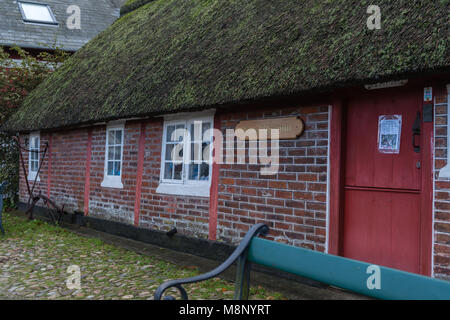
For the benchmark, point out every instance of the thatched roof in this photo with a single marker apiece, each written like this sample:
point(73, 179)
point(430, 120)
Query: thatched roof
point(179, 55)
point(131, 5)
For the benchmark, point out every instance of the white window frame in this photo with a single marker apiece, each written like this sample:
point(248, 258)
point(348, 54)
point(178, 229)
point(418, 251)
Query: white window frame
point(185, 187)
point(111, 181)
point(32, 174)
point(28, 20)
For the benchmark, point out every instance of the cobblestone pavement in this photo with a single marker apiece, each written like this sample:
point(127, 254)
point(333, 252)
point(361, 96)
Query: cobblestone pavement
point(35, 257)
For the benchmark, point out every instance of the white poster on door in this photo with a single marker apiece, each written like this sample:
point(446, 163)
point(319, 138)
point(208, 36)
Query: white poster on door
point(389, 133)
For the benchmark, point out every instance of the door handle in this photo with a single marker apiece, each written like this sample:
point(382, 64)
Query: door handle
point(416, 132)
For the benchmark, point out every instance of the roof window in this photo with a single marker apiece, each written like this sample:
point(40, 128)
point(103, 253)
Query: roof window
point(36, 13)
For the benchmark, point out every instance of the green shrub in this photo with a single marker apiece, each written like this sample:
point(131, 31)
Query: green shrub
point(17, 78)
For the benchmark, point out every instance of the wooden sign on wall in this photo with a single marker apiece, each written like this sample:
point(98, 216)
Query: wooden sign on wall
point(289, 128)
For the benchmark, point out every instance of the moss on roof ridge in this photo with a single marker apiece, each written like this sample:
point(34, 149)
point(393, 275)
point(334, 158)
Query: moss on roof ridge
point(181, 55)
point(132, 5)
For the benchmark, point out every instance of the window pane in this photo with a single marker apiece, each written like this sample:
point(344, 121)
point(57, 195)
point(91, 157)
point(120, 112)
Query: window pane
point(119, 137)
point(178, 171)
point(178, 153)
point(111, 137)
point(204, 171)
point(193, 172)
point(196, 131)
point(168, 170)
point(206, 126)
point(170, 130)
point(175, 133)
point(195, 152)
point(192, 152)
point(36, 12)
point(117, 153)
point(117, 168)
point(169, 149)
point(110, 170)
point(179, 133)
point(36, 143)
point(110, 153)
point(206, 151)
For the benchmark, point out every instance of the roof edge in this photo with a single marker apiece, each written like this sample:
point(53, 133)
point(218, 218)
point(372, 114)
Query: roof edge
point(132, 5)
point(327, 89)
point(36, 47)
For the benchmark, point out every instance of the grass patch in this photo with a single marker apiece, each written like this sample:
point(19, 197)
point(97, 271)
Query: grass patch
point(35, 255)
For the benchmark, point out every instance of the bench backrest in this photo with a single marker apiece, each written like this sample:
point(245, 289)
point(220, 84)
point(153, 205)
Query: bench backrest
point(364, 278)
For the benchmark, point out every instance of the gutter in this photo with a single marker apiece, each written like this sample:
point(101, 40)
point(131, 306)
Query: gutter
point(34, 47)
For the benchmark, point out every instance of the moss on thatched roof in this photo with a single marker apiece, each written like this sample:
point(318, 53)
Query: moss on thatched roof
point(131, 5)
point(180, 55)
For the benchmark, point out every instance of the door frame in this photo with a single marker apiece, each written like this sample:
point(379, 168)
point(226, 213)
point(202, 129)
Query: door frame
point(336, 181)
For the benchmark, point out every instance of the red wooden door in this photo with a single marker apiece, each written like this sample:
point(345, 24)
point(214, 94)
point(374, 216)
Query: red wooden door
point(382, 191)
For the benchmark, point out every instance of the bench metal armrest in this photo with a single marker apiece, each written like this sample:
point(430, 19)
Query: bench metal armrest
point(239, 252)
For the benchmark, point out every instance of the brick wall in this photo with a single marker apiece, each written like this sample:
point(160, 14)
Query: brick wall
point(110, 203)
point(189, 215)
point(69, 151)
point(441, 248)
point(68, 157)
point(293, 201)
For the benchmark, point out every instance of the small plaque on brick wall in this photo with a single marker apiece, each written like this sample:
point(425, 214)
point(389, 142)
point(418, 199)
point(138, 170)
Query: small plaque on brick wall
point(289, 128)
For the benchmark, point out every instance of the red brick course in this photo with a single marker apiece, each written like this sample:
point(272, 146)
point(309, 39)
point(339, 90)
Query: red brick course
point(282, 200)
point(67, 169)
point(158, 211)
point(441, 249)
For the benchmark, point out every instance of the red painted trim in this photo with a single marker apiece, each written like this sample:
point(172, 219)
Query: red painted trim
point(426, 215)
point(139, 174)
point(49, 171)
point(87, 175)
point(214, 191)
point(335, 216)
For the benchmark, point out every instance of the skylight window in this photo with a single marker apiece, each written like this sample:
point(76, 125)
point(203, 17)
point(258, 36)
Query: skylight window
point(37, 13)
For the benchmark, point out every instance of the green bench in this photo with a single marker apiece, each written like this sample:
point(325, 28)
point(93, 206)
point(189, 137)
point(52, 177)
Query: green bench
point(356, 276)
